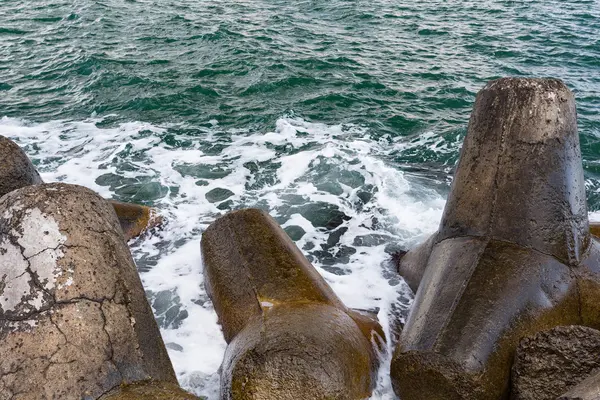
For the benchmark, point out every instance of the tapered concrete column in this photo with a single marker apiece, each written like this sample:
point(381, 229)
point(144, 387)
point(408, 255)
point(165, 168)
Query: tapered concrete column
point(520, 176)
point(74, 320)
point(511, 250)
point(411, 266)
point(289, 335)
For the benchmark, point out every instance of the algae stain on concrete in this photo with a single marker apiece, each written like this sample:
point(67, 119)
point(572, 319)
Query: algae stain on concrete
point(29, 267)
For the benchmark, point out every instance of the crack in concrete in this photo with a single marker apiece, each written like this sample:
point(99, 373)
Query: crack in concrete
point(111, 356)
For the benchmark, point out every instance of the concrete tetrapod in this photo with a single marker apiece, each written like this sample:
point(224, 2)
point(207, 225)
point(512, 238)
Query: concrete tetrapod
point(149, 390)
point(17, 171)
point(74, 320)
point(412, 264)
point(513, 255)
point(289, 335)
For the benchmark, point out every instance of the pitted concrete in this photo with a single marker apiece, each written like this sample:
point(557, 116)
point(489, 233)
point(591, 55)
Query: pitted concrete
point(554, 361)
point(17, 171)
point(74, 321)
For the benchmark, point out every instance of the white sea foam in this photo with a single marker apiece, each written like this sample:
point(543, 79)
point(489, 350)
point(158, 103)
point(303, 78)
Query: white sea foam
point(298, 164)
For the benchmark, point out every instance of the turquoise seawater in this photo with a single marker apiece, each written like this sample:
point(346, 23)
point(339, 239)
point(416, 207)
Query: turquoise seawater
point(343, 118)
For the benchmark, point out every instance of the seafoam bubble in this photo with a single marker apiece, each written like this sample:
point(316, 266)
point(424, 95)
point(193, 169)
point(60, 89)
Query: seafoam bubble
point(333, 186)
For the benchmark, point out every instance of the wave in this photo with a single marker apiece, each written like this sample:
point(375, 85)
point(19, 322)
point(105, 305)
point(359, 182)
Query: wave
point(332, 187)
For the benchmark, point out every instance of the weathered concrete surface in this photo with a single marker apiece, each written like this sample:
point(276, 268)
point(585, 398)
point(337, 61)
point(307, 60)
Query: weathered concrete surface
point(135, 219)
point(74, 321)
point(589, 389)
point(16, 171)
point(513, 254)
point(522, 148)
point(289, 335)
point(554, 361)
point(149, 390)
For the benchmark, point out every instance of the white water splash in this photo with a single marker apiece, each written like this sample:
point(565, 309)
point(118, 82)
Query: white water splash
point(298, 165)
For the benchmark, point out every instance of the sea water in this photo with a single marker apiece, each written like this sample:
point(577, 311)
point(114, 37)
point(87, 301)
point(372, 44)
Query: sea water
point(342, 119)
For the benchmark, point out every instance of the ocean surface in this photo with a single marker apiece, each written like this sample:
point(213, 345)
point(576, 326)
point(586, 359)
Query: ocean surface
point(342, 118)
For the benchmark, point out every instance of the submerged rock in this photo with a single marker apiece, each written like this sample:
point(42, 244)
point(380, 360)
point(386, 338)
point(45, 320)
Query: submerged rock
point(168, 311)
point(135, 219)
point(218, 194)
point(513, 255)
point(323, 215)
point(554, 361)
point(289, 335)
point(295, 232)
point(74, 321)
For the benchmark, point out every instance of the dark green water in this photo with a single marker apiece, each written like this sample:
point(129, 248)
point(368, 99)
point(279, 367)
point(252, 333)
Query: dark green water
point(342, 118)
point(398, 68)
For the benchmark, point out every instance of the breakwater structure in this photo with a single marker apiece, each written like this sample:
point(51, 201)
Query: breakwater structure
point(513, 255)
point(289, 335)
point(508, 285)
point(74, 319)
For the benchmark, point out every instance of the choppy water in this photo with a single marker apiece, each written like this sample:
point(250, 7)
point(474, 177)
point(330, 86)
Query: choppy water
point(342, 118)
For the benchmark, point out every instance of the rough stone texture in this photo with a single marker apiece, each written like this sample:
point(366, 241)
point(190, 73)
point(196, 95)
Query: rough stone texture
point(149, 390)
point(554, 361)
point(16, 171)
point(291, 352)
point(74, 321)
point(589, 389)
point(135, 219)
point(513, 255)
point(522, 135)
point(289, 335)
